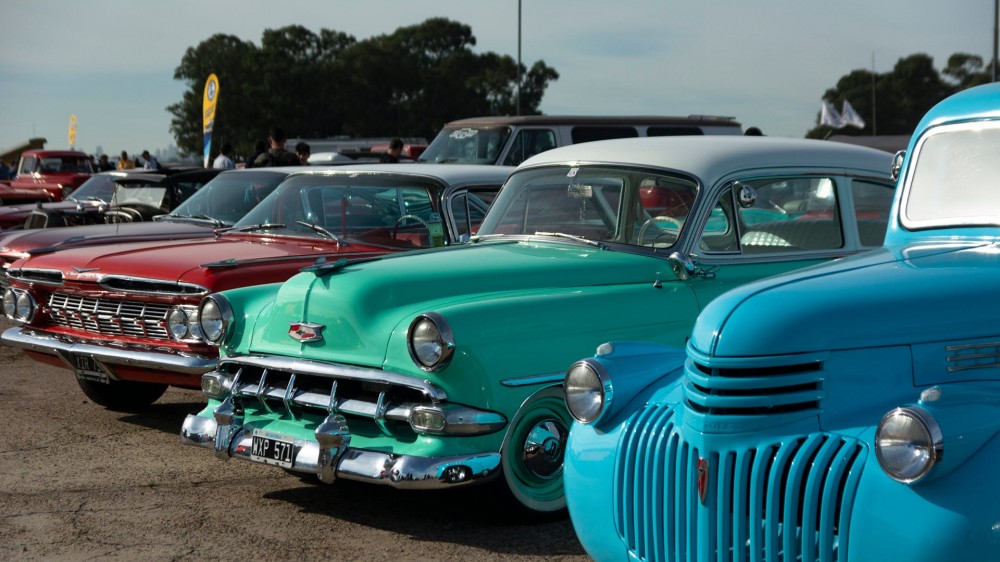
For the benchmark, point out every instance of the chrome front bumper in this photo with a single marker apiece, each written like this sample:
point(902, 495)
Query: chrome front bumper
point(183, 364)
point(330, 456)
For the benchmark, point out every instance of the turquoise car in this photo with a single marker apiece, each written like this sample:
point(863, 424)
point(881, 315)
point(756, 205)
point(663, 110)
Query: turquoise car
point(444, 368)
point(849, 411)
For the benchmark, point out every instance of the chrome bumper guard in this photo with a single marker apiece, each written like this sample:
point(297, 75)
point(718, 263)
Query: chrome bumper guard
point(185, 364)
point(330, 456)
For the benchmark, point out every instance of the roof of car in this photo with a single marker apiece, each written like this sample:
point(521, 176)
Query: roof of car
point(45, 152)
point(707, 155)
point(593, 120)
point(447, 173)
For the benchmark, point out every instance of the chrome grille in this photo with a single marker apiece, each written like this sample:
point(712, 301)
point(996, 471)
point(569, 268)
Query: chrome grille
point(784, 501)
point(772, 390)
point(295, 393)
point(110, 317)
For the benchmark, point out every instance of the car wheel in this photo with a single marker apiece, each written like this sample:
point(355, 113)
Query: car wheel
point(533, 450)
point(122, 395)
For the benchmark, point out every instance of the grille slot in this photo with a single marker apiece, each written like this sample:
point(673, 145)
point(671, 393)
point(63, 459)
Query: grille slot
point(752, 392)
point(788, 500)
point(973, 356)
point(109, 317)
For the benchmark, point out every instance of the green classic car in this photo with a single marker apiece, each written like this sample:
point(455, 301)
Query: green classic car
point(444, 367)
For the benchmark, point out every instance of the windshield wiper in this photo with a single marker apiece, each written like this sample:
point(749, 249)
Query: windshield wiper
point(214, 221)
point(323, 231)
point(252, 227)
point(572, 237)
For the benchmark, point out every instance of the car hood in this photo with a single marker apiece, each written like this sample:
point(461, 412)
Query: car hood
point(23, 241)
point(361, 304)
point(900, 295)
point(215, 264)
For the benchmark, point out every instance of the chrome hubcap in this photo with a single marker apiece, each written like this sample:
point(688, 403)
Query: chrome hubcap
point(544, 448)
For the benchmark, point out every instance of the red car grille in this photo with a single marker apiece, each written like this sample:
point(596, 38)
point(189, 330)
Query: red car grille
point(110, 317)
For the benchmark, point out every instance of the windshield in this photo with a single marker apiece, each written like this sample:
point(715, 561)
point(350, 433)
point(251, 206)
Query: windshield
point(229, 196)
point(97, 188)
point(630, 206)
point(954, 177)
point(390, 209)
point(146, 194)
point(466, 145)
point(65, 165)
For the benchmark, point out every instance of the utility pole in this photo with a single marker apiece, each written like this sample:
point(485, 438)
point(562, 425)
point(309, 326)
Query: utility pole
point(996, 23)
point(519, 57)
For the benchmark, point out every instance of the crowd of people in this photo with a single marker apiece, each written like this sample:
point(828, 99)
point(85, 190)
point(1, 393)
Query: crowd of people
point(271, 152)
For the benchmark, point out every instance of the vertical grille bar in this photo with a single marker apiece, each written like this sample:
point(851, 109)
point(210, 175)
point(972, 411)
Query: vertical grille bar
point(791, 516)
point(812, 502)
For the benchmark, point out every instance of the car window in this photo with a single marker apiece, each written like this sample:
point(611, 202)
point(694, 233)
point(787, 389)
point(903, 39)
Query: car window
point(469, 209)
point(776, 215)
point(872, 202)
point(149, 195)
point(28, 165)
point(587, 133)
point(528, 143)
point(467, 145)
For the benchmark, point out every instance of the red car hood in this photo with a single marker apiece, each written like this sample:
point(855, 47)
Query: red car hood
point(19, 242)
point(216, 263)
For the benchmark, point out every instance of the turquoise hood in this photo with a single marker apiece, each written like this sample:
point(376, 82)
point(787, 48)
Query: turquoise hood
point(862, 301)
point(361, 305)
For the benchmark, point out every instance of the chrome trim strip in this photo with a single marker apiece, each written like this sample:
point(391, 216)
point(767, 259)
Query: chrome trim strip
point(19, 274)
point(295, 365)
point(103, 283)
point(534, 379)
point(183, 364)
point(374, 467)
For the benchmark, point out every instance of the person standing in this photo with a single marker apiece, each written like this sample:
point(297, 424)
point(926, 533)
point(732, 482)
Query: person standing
point(124, 163)
point(224, 161)
point(103, 164)
point(277, 155)
point(151, 163)
point(259, 147)
point(4, 170)
point(391, 156)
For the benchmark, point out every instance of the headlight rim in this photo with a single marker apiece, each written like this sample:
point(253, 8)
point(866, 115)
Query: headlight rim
point(13, 303)
point(31, 303)
point(225, 316)
point(605, 387)
point(445, 336)
point(935, 441)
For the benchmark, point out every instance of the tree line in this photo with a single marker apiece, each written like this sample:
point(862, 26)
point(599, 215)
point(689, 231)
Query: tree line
point(327, 84)
point(903, 95)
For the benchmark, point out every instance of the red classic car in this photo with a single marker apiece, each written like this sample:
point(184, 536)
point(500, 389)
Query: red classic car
point(220, 203)
point(124, 318)
point(11, 196)
point(56, 173)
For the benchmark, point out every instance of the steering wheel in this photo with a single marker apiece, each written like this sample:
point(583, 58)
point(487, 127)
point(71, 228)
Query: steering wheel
point(670, 220)
point(395, 225)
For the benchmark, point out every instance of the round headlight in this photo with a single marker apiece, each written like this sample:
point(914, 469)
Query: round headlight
point(214, 317)
point(587, 391)
point(9, 303)
point(908, 444)
point(24, 307)
point(430, 341)
point(177, 323)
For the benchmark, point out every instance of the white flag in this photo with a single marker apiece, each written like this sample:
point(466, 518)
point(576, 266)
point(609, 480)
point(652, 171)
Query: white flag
point(849, 117)
point(830, 117)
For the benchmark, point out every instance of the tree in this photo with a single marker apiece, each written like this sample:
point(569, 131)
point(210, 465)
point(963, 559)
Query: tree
point(406, 83)
point(902, 96)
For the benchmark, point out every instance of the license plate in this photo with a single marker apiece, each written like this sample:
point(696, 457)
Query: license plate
point(89, 369)
point(271, 449)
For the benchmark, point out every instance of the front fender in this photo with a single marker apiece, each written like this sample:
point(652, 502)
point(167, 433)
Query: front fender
point(248, 304)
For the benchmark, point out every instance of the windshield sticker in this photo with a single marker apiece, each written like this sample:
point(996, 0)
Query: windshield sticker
point(572, 172)
point(463, 133)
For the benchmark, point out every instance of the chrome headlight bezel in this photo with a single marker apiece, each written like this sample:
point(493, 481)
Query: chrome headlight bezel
point(216, 312)
point(908, 444)
point(182, 323)
point(588, 391)
point(430, 341)
point(19, 305)
point(216, 384)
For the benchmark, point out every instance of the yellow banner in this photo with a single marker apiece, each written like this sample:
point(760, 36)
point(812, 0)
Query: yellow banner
point(209, 101)
point(72, 130)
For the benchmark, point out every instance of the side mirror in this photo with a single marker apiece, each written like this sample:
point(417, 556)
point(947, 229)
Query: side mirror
point(897, 165)
point(682, 266)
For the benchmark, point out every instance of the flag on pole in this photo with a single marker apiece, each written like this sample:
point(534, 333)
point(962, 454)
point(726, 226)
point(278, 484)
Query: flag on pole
point(71, 136)
point(209, 101)
point(830, 117)
point(849, 117)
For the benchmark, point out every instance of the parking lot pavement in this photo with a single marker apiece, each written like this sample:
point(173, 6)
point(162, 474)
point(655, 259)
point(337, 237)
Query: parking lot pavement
point(81, 482)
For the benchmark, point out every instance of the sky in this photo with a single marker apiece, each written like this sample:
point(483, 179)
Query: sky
point(765, 62)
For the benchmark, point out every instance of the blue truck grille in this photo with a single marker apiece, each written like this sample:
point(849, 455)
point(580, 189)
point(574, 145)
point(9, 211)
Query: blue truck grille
point(789, 500)
point(110, 317)
point(789, 389)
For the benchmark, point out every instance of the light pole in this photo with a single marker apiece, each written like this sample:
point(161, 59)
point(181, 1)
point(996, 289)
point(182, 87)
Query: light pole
point(996, 21)
point(518, 96)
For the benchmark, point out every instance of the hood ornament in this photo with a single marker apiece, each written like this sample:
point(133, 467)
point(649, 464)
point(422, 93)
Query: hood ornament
point(305, 331)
